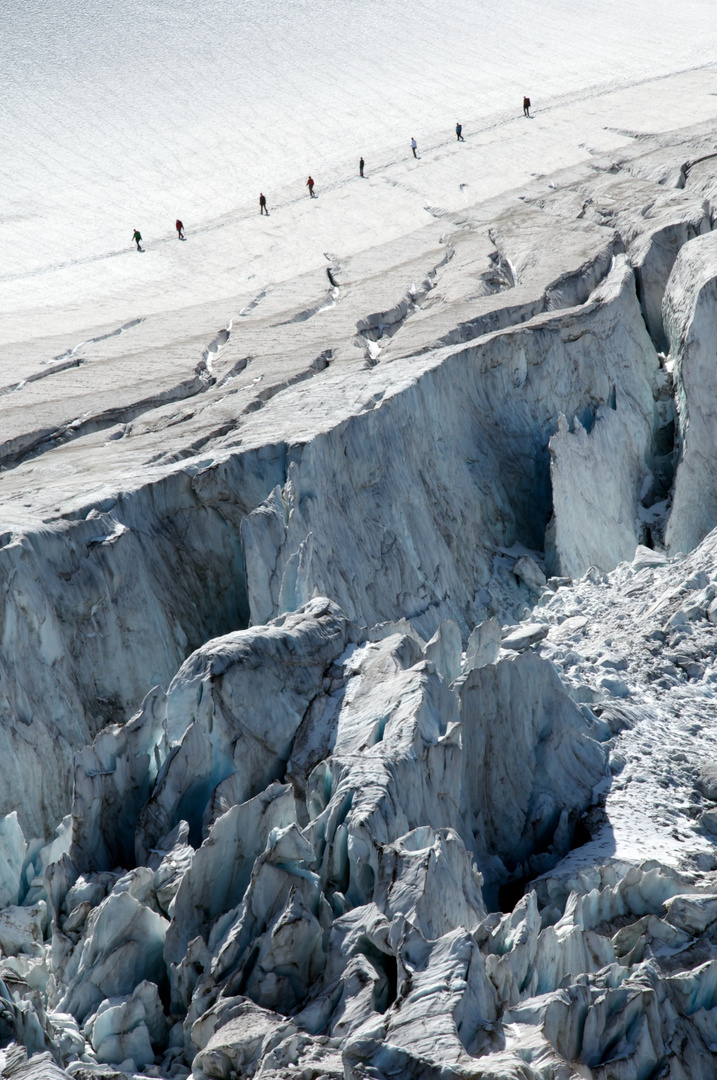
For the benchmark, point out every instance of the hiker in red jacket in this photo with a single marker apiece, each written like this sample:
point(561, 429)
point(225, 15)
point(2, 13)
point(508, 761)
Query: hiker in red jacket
point(310, 186)
point(526, 107)
point(180, 229)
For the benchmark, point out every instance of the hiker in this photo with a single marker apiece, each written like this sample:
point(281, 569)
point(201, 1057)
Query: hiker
point(180, 229)
point(526, 107)
point(310, 186)
point(262, 205)
point(414, 147)
point(459, 133)
point(137, 237)
point(361, 165)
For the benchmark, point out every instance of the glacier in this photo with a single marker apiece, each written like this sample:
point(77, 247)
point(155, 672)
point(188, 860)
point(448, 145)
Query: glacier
point(358, 661)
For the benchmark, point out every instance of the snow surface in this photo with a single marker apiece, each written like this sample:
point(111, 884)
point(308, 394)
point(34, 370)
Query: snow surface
point(122, 115)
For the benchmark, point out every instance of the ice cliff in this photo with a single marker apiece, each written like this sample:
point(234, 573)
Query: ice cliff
point(358, 702)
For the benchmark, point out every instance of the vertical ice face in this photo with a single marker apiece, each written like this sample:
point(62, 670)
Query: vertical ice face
point(689, 308)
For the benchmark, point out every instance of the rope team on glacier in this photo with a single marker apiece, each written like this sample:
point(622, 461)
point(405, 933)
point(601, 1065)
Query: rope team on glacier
point(137, 236)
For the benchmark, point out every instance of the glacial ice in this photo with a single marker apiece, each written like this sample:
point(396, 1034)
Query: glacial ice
point(382, 722)
point(689, 318)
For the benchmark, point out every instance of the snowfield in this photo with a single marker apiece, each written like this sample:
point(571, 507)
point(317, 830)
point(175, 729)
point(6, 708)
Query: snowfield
point(358, 636)
point(128, 114)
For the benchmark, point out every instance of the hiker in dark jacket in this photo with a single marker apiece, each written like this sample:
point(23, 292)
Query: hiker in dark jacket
point(459, 133)
point(361, 166)
point(262, 205)
point(526, 107)
point(137, 237)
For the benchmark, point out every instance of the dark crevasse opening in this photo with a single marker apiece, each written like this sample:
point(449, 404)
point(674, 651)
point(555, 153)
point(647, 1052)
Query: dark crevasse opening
point(666, 452)
point(523, 466)
point(510, 892)
point(385, 988)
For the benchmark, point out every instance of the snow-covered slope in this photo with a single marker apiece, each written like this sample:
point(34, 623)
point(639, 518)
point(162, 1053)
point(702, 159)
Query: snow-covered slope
point(357, 702)
point(121, 114)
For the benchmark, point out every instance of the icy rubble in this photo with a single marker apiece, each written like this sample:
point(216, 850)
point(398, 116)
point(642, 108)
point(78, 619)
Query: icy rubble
point(307, 897)
point(336, 921)
point(447, 806)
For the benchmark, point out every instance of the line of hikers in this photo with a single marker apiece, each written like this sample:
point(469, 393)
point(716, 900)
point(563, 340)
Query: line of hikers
point(137, 236)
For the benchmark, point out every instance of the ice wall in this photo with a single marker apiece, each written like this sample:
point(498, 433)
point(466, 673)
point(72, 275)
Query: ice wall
point(689, 312)
point(395, 511)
